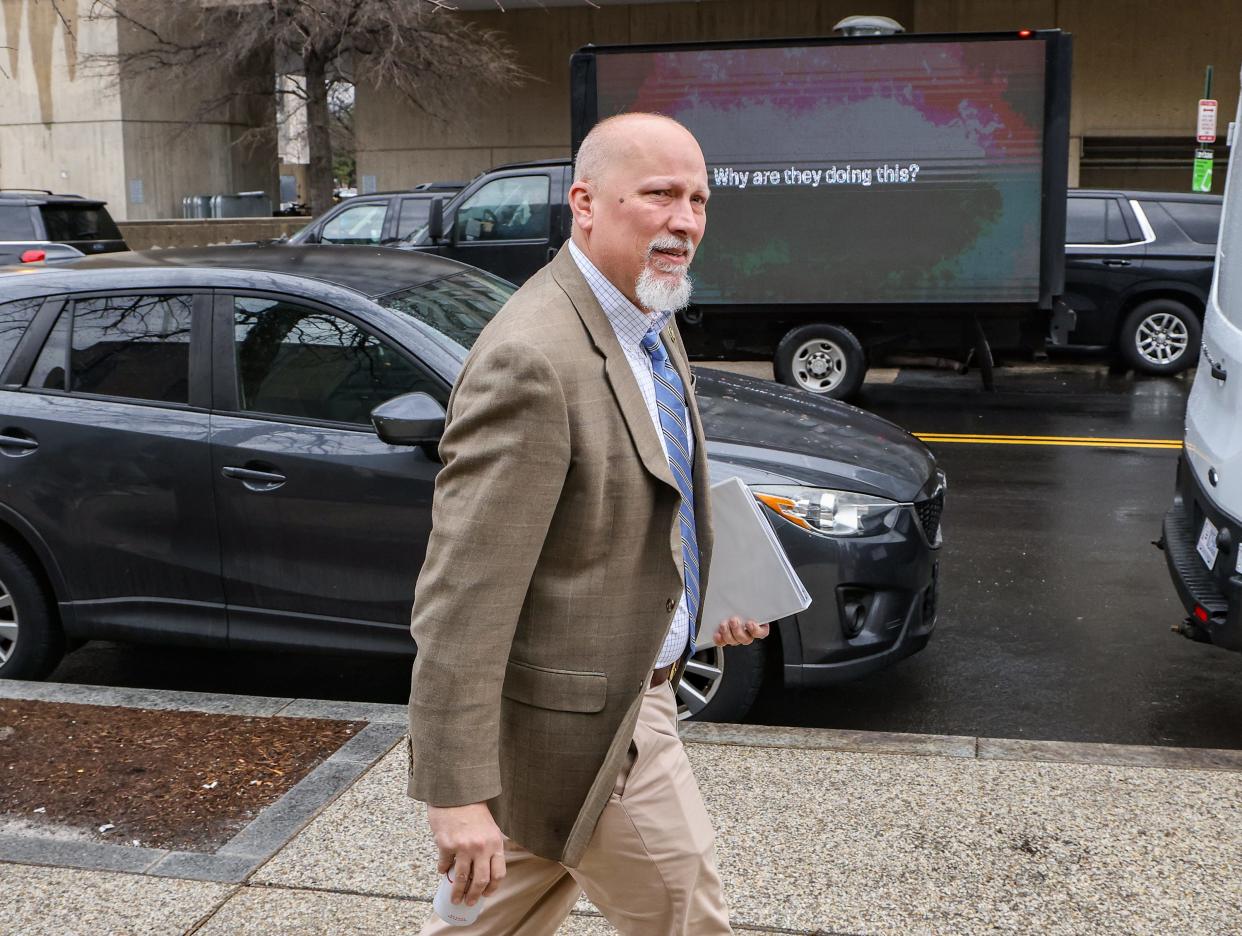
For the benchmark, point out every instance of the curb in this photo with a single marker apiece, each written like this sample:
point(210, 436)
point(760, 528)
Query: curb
point(766, 736)
point(213, 703)
point(990, 749)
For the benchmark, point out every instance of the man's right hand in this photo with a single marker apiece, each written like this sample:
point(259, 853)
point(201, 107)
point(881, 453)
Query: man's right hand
point(472, 845)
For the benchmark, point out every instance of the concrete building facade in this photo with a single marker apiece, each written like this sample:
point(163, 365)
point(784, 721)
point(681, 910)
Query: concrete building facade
point(1138, 75)
point(69, 125)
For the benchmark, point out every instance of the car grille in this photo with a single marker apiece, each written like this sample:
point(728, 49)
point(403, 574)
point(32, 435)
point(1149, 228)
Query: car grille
point(929, 515)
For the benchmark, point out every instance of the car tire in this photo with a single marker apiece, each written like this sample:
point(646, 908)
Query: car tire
point(1160, 336)
point(31, 641)
point(826, 360)
point(729, 695)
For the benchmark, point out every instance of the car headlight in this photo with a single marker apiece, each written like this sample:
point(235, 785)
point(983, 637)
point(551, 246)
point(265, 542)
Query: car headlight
point(821, 510)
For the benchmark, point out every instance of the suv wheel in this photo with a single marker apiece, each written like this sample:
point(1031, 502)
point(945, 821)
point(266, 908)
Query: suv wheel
point(31, 642)
point(824, 359)
point(720, 683)
point(1161, 336)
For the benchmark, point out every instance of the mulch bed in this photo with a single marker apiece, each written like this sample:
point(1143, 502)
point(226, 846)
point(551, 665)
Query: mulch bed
point(164, 779)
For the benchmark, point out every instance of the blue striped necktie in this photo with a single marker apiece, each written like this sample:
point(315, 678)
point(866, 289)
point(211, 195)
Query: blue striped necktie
point(671, 407)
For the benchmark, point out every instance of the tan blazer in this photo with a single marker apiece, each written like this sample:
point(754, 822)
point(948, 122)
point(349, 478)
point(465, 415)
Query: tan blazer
point(552, 572)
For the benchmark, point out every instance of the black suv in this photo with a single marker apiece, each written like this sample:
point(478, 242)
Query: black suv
point(1138, 267)
point(376, 218)
point(38, 226)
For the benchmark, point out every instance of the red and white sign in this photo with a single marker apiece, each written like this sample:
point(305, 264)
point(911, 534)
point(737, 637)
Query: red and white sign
point(1207, 122)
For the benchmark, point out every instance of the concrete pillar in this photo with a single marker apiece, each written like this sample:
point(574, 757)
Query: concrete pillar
point(69, 129)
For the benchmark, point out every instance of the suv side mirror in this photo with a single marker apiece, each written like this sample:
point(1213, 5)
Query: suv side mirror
point(409, 419)
point(435, 221)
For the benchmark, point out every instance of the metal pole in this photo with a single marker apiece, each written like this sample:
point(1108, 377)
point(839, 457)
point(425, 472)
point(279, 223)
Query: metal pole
point(1201, 178)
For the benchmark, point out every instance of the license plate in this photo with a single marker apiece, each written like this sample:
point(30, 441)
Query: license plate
point(1207, 544)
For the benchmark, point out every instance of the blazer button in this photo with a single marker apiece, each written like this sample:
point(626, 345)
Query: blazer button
point(670, 605)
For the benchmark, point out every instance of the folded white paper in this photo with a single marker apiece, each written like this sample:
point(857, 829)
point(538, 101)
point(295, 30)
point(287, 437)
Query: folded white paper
point(750, 575)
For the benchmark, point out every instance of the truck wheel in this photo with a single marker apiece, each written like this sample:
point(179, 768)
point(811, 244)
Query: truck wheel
point(1160, 336)
point(31, 642)
point(824, 359)
point(720, 683)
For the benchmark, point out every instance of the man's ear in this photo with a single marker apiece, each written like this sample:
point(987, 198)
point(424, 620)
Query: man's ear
point(582, 204)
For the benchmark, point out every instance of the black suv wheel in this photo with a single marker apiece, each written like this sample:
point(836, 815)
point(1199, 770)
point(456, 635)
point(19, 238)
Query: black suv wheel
point(31, 642)
point(1160, 336)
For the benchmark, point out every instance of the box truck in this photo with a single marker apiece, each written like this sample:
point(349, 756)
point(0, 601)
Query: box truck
point(867, 192)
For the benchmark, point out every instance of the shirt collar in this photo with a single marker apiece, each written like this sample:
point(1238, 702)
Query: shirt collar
point(627, 320)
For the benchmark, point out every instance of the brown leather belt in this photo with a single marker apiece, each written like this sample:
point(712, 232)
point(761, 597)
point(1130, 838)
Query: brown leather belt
point(662, 675)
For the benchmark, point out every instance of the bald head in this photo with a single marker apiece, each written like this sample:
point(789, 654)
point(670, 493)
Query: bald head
point(619, 139)
point(639, 201)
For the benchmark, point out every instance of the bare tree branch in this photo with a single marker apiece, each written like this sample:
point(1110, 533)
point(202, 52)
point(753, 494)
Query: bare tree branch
point(230, 54)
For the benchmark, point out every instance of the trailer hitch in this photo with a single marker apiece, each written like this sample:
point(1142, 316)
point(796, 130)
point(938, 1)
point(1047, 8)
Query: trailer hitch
point(1189, 628)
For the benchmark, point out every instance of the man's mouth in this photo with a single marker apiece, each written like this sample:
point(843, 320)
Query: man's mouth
point(670, 256)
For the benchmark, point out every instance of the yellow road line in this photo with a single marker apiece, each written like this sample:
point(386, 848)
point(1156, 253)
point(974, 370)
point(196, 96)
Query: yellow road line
point(1069, 441)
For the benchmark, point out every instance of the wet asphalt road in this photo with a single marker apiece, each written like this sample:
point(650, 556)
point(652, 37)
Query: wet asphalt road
point(1055, 610)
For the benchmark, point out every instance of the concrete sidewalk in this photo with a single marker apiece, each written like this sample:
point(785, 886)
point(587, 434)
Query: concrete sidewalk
point(818, 832)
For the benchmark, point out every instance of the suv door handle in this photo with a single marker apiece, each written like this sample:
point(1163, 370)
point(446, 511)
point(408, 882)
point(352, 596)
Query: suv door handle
point(253, 479)
point(20, 442)
point(1116, 262)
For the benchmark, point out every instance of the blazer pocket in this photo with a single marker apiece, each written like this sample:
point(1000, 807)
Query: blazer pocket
point(559, 690)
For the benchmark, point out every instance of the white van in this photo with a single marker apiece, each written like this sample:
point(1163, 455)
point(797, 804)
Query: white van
point(1203, 530)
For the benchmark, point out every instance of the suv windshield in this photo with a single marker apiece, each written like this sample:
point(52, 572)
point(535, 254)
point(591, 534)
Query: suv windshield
point(457, 306)
point(65, 222)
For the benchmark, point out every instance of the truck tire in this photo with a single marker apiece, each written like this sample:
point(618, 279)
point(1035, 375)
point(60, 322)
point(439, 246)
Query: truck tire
point(731, 691)
point(1160, 336)
point(31, 641)
point(822, 359)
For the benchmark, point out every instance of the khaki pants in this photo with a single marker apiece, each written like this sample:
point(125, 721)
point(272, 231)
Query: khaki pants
point(651, 864)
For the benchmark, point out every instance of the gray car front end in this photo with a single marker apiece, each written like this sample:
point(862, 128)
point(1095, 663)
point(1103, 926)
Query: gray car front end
point(855, 501)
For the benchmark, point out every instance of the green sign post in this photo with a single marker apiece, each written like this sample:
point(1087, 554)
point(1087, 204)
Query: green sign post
point(1202, 181)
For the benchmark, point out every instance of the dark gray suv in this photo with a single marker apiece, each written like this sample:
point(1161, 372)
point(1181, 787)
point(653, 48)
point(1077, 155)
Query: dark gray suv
point(191, 452)
point(1138, 267)
point(37, 226)
point(375, 219)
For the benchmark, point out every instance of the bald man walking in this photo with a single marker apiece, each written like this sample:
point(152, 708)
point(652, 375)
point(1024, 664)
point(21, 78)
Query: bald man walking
point(569, 552)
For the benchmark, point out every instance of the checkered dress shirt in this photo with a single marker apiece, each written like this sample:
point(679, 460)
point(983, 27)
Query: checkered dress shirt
point(631, 323)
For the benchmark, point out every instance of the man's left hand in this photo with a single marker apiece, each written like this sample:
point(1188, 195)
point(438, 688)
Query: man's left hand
point(737, 632)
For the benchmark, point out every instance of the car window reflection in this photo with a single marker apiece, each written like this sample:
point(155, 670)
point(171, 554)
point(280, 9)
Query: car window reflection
point(457, 306)
point(308, 364)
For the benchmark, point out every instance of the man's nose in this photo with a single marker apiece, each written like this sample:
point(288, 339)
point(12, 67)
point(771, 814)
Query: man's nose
point(685, 221)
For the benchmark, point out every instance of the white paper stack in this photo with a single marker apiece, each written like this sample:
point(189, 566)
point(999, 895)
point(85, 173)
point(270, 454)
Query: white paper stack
point(750, 575)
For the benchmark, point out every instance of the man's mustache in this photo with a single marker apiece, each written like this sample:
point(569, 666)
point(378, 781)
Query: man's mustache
point(671, 242)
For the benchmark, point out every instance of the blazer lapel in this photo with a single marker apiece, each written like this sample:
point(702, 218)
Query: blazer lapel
point(620, 377)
